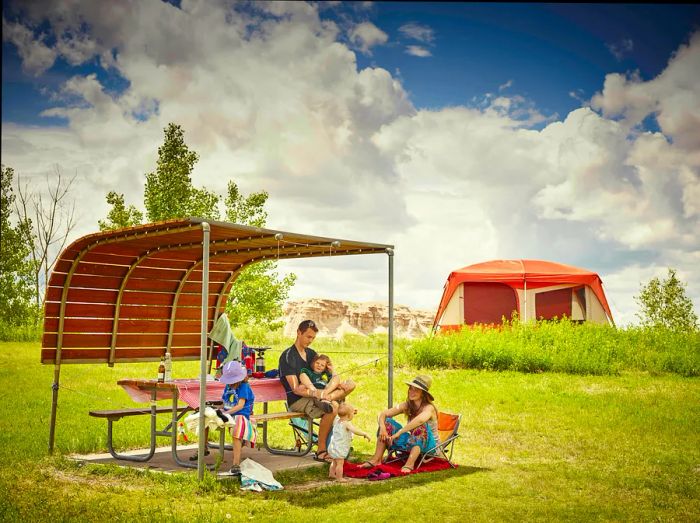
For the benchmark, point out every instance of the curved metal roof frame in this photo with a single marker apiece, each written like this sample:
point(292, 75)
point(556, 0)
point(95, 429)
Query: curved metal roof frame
point(132, 294)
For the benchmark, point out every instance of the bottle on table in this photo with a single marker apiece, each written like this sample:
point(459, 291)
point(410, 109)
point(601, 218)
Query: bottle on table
point(168, 367)
point(161, 370)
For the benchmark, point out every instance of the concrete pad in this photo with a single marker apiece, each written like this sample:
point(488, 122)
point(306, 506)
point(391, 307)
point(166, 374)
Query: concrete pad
point(162, 460)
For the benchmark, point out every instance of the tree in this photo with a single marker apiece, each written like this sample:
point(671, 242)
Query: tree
point(169, 192)
point(258, 293)
point(47, 222)
point(664, 303)
point(120, 215)
point(16, 289)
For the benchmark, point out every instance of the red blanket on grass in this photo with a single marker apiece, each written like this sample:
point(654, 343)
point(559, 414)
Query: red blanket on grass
point(354, 470)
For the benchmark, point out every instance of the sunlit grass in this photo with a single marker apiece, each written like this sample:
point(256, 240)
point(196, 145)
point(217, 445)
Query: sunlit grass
point(534, 446)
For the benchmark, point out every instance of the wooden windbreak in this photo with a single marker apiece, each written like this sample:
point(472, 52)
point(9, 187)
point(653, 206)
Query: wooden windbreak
point(130, 295)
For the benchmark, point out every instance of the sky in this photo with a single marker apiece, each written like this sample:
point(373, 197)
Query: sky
point(458, 132)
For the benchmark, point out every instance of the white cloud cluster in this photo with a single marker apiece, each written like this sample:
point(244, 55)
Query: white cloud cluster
point(421, 33)
point(366, 35)
point(622, 48)
point(273, 99)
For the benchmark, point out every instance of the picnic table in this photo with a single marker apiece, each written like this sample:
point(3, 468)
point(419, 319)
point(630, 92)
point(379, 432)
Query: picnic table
point(187, 390)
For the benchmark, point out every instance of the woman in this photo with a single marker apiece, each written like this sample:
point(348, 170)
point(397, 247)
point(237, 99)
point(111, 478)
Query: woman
point(420, 432)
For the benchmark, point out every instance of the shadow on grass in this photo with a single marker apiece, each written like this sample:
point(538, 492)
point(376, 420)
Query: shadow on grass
point(333, 493)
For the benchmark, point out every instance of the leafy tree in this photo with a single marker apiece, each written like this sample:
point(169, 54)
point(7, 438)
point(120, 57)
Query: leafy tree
point(120, 215)
point(16, 285)
point(258, 293)
point(169, 192)
point(664, 303)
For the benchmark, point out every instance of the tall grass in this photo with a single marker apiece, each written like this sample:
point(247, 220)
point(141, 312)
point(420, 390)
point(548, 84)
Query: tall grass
point(559, 346)
point(10, 332)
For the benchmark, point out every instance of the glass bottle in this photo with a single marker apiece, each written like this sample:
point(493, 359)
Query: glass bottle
point(161, 371)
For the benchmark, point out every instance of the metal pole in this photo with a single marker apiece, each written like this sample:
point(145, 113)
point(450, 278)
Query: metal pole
point(54, 405)
point(390, 253)
point(203, 349)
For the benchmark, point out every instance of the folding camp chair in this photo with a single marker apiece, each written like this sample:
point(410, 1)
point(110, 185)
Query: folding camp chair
point(300, 427)
point(448, 432)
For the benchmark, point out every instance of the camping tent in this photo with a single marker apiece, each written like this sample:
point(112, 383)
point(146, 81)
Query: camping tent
point(486, 292)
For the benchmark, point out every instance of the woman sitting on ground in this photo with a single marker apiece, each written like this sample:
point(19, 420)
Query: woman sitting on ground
point(420, 433)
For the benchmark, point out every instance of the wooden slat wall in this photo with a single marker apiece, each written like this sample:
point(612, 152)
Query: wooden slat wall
point(165, 253)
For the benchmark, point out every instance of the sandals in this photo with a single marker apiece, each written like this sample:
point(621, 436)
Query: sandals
point(378, 475)
point(367, 465)
point(322, 456)
point(406, 470)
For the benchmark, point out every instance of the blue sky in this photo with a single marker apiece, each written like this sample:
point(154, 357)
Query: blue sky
point(544, 52)
point(458, 132)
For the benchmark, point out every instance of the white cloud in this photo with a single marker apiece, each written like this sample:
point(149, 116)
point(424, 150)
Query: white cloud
point(420, 32)
point(505, 85)
point(367, 35)
point(272, 99)
point(417, 50)
point(673, 97)
point(36, 56)
point(622, 48)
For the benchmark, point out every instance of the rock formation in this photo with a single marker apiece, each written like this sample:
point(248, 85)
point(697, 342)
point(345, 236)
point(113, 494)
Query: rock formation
point(336, 318)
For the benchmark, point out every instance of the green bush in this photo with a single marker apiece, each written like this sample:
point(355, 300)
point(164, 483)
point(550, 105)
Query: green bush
point(559, 346)
point(20, 332)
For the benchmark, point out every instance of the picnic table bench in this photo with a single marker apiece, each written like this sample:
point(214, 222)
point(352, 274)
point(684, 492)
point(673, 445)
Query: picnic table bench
point(142, 390)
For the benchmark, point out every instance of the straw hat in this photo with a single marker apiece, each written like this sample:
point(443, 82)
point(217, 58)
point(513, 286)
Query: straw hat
point(422, 382)
point(233, 373)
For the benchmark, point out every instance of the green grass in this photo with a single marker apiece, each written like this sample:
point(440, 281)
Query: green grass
point(559, 346)
point(534, 446)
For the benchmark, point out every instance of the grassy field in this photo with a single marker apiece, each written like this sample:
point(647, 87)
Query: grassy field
point(534, 446)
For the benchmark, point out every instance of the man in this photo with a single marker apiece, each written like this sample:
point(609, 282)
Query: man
point(301, 399)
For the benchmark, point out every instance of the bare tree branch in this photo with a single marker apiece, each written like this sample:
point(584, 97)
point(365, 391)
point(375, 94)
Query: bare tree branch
point(52, 219)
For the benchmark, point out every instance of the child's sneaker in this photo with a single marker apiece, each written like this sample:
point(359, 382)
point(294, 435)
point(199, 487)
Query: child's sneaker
point(235, 470)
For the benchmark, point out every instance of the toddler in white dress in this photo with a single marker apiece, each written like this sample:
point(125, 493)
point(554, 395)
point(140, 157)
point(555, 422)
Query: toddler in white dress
point(341, 440)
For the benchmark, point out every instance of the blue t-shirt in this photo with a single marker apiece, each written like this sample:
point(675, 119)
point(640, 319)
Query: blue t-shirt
point(232, 395)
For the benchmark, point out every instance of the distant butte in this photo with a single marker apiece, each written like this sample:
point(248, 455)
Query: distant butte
point(336, 318)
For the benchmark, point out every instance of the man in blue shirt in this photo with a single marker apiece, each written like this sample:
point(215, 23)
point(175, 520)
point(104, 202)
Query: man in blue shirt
point(299, 398)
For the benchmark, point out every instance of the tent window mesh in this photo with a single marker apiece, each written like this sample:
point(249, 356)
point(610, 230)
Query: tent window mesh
point(488, 302)
point(553, 304)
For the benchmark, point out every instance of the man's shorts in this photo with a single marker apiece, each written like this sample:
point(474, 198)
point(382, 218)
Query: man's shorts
point(306, 405)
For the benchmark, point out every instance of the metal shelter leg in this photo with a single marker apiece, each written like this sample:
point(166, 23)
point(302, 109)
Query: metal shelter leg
point(206, 231)
point(54, 405)
point(390, 253)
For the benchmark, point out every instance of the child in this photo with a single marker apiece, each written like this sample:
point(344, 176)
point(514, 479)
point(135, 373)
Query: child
point(238, 401)
point(320, 380)
point(339, 447)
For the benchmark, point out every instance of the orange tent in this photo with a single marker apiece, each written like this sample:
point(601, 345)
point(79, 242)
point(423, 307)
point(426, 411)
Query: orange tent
point(486, 292)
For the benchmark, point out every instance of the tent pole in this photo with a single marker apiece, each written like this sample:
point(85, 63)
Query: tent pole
point(54, 405)
point(524, 315)
point(390, 253)
point(203, 349)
